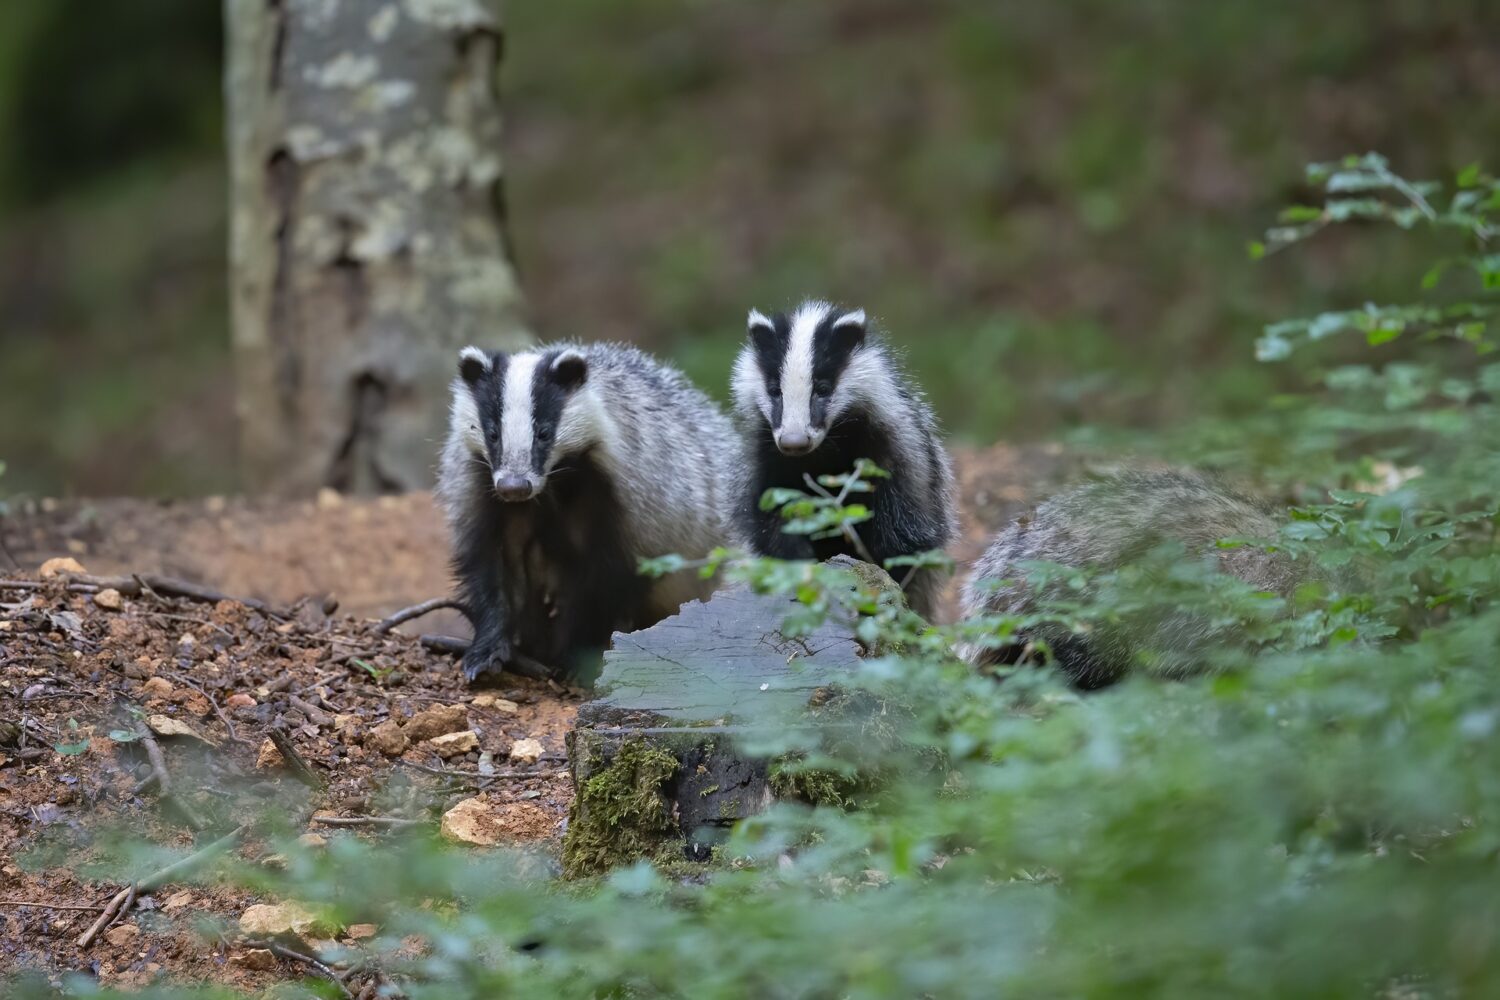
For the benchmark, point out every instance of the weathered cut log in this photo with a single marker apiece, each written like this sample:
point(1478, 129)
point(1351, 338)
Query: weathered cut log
point(665, 760)
point(368, 231)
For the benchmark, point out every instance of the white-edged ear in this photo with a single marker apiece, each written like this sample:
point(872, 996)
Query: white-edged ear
point(759, 319)
point(855, 318)
point(570, 368)
point(473, 364)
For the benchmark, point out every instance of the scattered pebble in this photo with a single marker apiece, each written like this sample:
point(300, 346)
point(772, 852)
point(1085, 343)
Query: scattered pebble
point(279, 918)
point(268, 758)
point(453, 744)
point(109, 599)
point(123, 936)
point(527, 751)
point(157, 687)
point(503, 705)
point(256, 959)
point(386, 738)
point(61, 566)
point(439, 720)
point(165, 725)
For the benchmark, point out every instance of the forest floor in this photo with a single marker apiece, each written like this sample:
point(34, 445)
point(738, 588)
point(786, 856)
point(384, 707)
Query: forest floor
point(94, 685)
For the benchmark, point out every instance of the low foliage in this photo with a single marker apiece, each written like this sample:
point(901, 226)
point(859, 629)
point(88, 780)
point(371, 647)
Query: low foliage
point(1316, 815)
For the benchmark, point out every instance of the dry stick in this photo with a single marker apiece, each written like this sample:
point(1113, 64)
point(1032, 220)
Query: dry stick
point(213, 703)
point(313, 712)
point(295, 761)
point(118, 905)
point(390, 821)
point(417, 611)
point(282, 951)
point(136, 584)
point(444, 772)
point(158, 764)
point(49, 906)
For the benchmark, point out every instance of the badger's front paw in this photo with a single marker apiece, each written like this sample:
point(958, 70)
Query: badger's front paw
point(486, 656)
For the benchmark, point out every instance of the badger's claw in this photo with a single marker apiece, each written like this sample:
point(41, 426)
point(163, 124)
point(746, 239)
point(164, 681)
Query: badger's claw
point(485, 656)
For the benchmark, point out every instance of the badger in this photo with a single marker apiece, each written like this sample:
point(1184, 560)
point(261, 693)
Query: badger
point(1111, 523)
point(814, 391)
point(563, 467)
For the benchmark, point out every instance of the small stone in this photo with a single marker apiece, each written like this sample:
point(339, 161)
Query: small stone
point(256, 959)
point(503, 705)
point(123, 936)
point(178, 900)
point(329, 498)
point(359, 932)
point(215, 504)
point(313, 840)
point(109, 599)
point(526, 751)
point(269, 758)
point(278, 918)
point(61, 566)
point(386, 738)
point(346, 723)
point(453, 744)
point(439, 720)
point(157, 687)
point(165, 725)
point(240, 700)
point(472, 821)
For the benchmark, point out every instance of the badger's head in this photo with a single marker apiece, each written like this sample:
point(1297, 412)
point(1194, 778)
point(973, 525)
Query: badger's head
point(521, 414)
point(795, 371)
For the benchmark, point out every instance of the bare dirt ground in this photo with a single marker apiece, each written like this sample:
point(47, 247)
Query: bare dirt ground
point(92, 685)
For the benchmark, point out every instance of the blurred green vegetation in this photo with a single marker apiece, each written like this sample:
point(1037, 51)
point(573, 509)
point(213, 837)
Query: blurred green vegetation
point(1045, 204)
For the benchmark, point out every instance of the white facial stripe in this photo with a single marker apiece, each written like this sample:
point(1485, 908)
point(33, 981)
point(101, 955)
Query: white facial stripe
point(516, 423)
point(796, 368)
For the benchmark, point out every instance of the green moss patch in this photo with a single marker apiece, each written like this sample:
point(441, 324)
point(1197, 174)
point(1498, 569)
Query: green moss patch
point(620, 813)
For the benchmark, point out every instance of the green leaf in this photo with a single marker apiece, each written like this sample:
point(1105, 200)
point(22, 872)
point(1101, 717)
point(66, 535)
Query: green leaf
point(1256, 249)
point(1469, 176)
point(71, 749)
point(124, 735)
point(1382, 335)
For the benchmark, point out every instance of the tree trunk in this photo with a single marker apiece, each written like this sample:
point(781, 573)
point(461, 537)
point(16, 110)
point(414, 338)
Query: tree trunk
point(368, 231)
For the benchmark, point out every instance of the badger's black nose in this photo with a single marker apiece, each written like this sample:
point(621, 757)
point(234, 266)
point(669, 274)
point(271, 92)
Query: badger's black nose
point(794, 442)
point(510, 487)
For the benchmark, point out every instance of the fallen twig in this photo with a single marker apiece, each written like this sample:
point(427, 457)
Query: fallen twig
point(317, 964)
point(123, 899)
point(294, 760)
point(158, 764)
point(388, 821)
point(93, 908)
point(417, 611)
point(445, 772)
point(139, 583)
point(313, 712)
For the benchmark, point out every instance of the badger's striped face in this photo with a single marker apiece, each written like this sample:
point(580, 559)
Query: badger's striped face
point(516, 415)
point(794, 370)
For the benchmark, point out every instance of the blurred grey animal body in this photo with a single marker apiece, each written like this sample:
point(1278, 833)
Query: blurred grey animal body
point(815, 391)
point(564, 466)
point(1111, 523)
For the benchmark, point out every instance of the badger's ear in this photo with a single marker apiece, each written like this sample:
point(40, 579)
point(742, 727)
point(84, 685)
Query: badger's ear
point(570, 369)
point(762, 331)
point(849, 329)
point(473, 364)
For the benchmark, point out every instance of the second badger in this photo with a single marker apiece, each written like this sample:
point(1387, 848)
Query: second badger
point(562, 468)
point(815, 392)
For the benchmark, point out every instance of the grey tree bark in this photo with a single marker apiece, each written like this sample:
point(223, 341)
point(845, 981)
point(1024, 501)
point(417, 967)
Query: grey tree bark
point(367, 231)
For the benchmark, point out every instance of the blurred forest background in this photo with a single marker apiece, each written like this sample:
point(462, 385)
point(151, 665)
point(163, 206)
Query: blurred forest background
point(1047, 205)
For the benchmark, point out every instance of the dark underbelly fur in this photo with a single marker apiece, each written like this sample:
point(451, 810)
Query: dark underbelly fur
point(550, 578)
point(891, 531)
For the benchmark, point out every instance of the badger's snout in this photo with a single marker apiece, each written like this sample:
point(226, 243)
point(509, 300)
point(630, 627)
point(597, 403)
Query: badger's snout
point(512, 487)
point(796, 441)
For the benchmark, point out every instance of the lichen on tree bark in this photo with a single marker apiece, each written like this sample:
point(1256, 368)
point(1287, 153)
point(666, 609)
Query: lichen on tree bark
point(368, 231)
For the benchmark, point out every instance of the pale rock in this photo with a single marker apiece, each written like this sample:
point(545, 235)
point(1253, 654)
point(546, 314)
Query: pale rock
point(438, 720)
point(502, 705)
point(527, 751)
point(472, 821)
point(386, 738)
point(178, 900)
point(61, 566)
point(268, 758)
point(256, 959)
point(240, 700)
point(453, 744)
point(165, 725)
point(264, 919)
point(123, 936)
point(359, 932)
point(157, 687)
point(109, 599)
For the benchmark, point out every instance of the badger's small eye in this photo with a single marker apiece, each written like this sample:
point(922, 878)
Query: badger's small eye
point(774, 390)
point(823, 387)
point(491, 433)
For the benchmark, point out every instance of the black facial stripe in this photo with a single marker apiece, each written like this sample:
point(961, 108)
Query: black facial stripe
point(770, 351)
point(832, 348)
point(489, 393)
point(547, 401)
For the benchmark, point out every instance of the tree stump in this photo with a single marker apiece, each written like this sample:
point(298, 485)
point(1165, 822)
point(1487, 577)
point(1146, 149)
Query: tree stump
point(664, 761)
